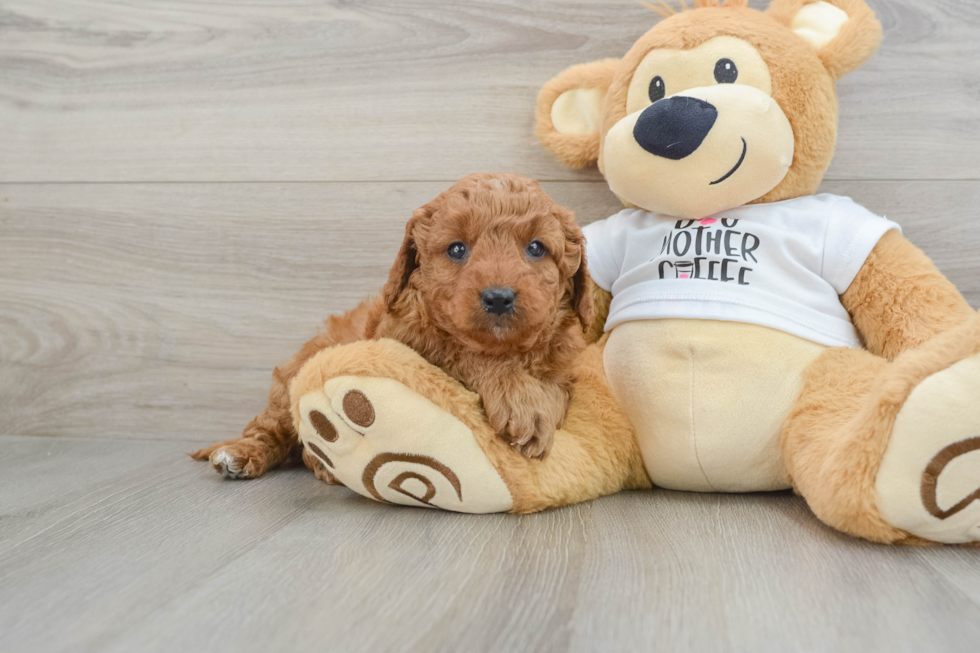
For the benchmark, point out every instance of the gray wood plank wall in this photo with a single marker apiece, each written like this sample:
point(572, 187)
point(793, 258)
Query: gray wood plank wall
point(187, 188)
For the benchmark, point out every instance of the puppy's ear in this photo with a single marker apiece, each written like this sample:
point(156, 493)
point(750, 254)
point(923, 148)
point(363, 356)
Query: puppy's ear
point(578, 281)
point(845, 33)
point(569, 112)
point(406, 262)
point(582, 299)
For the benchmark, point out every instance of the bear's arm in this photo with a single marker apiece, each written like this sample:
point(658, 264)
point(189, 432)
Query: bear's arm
point(898, 300)
point(602, 299)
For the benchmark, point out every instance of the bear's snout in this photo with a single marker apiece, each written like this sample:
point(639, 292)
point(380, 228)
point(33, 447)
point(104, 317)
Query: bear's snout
point(675, 127)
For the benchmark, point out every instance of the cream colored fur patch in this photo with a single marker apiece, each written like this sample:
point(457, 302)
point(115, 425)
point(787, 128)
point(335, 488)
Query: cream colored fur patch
point(708, 399)
point(399, 447)
point(932, 465)
point(578, 111)
point(819, 23)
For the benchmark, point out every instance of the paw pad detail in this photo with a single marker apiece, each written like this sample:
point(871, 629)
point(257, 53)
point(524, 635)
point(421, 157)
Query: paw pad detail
point(391, 444)
point(323, 426)
point(358, 408)
point(319, 453)
point(398, 483)
point(928, 482)
point(930, 478)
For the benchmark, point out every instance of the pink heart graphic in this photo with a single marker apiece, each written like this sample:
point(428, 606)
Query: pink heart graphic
point(708, 220)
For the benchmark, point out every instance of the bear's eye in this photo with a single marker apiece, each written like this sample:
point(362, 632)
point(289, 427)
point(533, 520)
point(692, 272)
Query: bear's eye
point(657, 89)
point(536, 249)
point(457, 251)
point(725, 71)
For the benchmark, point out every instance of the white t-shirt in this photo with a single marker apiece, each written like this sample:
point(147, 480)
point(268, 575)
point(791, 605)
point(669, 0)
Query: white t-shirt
point(781, 265)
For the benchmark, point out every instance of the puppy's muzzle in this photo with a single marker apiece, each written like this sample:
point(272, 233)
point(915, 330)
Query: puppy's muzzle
point(675, 127)
point(498, 300)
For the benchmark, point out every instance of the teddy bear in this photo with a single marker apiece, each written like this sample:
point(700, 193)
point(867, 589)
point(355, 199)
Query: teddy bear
point(752, 335)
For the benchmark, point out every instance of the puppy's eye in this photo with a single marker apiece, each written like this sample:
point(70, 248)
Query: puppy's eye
point(657, 89)
point(457, 251)
point(725, 71)
point(536, 249)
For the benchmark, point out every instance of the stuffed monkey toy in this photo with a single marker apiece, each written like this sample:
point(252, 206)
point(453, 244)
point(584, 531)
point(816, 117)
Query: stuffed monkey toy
point(757, 336)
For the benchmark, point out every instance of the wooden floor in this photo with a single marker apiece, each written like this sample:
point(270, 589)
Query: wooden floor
point(123, 545)
point(187, 187)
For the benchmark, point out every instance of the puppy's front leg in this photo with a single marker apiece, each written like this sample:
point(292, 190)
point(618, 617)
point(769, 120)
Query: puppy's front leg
point(525, 411)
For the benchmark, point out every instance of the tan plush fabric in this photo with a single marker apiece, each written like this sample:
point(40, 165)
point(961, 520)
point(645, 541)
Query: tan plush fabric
point(853, 44)
point(573, 150)
point(708, 415)
point(840, 428)
point(834, 440)
point(899, 300)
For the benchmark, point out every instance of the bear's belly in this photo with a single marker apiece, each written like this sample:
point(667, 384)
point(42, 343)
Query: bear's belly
point(708, 399)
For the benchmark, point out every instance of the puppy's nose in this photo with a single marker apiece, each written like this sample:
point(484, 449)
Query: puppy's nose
point(674, 127)
point(497, 300)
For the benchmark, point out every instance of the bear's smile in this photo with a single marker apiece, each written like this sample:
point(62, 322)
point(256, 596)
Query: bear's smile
point(745, 149)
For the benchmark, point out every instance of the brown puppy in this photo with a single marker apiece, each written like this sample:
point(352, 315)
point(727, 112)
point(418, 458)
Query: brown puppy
point(490, 284)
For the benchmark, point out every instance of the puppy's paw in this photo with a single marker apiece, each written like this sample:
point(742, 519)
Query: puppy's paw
point(530, 432)
point(245, 458)
point(539, 444)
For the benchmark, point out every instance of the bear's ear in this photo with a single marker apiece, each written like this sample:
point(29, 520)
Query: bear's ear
point(845, 33)
point(569, 112)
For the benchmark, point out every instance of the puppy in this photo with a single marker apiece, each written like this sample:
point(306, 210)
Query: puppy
point(490, 284)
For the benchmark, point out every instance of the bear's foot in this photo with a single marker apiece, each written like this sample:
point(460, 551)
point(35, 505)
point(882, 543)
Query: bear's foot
point(389, 443)
point(929, 480)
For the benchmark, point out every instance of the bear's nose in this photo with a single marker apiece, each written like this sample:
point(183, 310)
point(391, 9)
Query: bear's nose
point(674, 127)
point(497, 300)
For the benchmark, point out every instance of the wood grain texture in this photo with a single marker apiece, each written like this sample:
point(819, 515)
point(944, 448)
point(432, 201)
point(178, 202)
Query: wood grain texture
point(130, 546)
point(235, 90)
point(159, 310)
